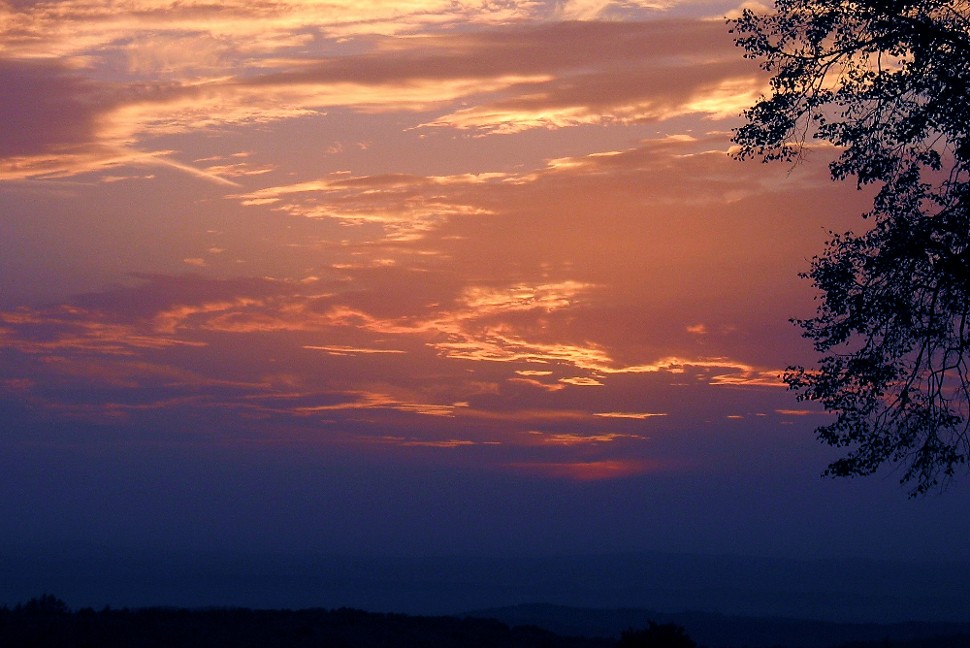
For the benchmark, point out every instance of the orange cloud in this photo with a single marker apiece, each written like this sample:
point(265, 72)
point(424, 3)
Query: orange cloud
point(346, 350)
point(800, 412)
point(581, 381)
point(81, 331)
point(750, 377)
point(538, 384)
point(568, 439)
point(399, 203)
point(587, 470)
point(367, 401)
point(640, 416)
point(447, 443)
point(555, 332)
point(162, 36)
point(196, 71)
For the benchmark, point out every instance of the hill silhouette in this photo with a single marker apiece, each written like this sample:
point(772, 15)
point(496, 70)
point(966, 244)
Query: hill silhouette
point(842, 590)
point(48, 622)
point(724, 631)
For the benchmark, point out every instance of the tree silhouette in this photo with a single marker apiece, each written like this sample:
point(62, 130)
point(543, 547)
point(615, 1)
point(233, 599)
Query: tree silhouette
point(44, 605)
point(887, 82)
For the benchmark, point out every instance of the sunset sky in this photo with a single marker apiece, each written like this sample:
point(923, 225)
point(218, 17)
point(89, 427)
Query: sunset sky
point(416, 277)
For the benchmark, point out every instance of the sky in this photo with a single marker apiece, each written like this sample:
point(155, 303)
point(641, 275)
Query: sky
point(429, 277)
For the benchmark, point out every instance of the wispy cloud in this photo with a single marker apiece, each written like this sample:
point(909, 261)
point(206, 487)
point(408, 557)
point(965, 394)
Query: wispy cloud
point(588, 470)
point(533, 74)
point(347, 350)
point(640, 416)
point(570, 439)
point(492, 326)
point(403, 206)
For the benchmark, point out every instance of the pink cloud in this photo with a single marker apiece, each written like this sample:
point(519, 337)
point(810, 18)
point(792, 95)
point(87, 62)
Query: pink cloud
point(46, 108)
point(534, 75)
point(588, 470)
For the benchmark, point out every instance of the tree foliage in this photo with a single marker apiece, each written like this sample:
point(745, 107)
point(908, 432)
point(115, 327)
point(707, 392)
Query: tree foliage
point(885, 85)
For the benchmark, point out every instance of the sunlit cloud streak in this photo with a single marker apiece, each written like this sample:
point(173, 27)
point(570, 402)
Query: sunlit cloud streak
point(494, 81)
point(73, 340)
point(588, 470)
point(172, 33)
point(801, 412)
point(164, 36)
point(449, 443)
point(371, 401)
point(401, 204)
point(403, 207)
point(581, 439)
point(630, 415)
point(517, 327)
point(346, 350)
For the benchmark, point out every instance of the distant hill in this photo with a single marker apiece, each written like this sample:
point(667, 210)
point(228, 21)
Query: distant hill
point(849, 593)
point(721, 631)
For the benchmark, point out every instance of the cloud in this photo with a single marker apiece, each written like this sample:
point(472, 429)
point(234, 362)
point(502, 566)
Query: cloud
point(589, 271)
point(143, 327)
point(583, 9)
point(538, 384)
point(92, 114)
point(611, 98)
point(570, 439)
point(581, 381)
point(675, 171)
point(611, 9)
point(640, 416)
point(159, 34)
point(801, 412)
point(447, 443)
point(346, 350)
point(45, 107)
point(588, 470)
point(601, 73)
point(387, 272)
point(379, 401)
point(404, 206)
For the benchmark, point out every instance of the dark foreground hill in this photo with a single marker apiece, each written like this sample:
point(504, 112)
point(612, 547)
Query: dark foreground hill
point(723, 631)
point(47, 622)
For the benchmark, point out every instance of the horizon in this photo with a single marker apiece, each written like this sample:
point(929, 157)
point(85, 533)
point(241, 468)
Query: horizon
point(867, 591)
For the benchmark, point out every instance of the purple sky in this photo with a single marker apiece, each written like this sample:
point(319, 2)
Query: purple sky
point(411, 278)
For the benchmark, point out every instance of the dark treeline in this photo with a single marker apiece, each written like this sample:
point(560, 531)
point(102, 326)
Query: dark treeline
point(47, 622)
